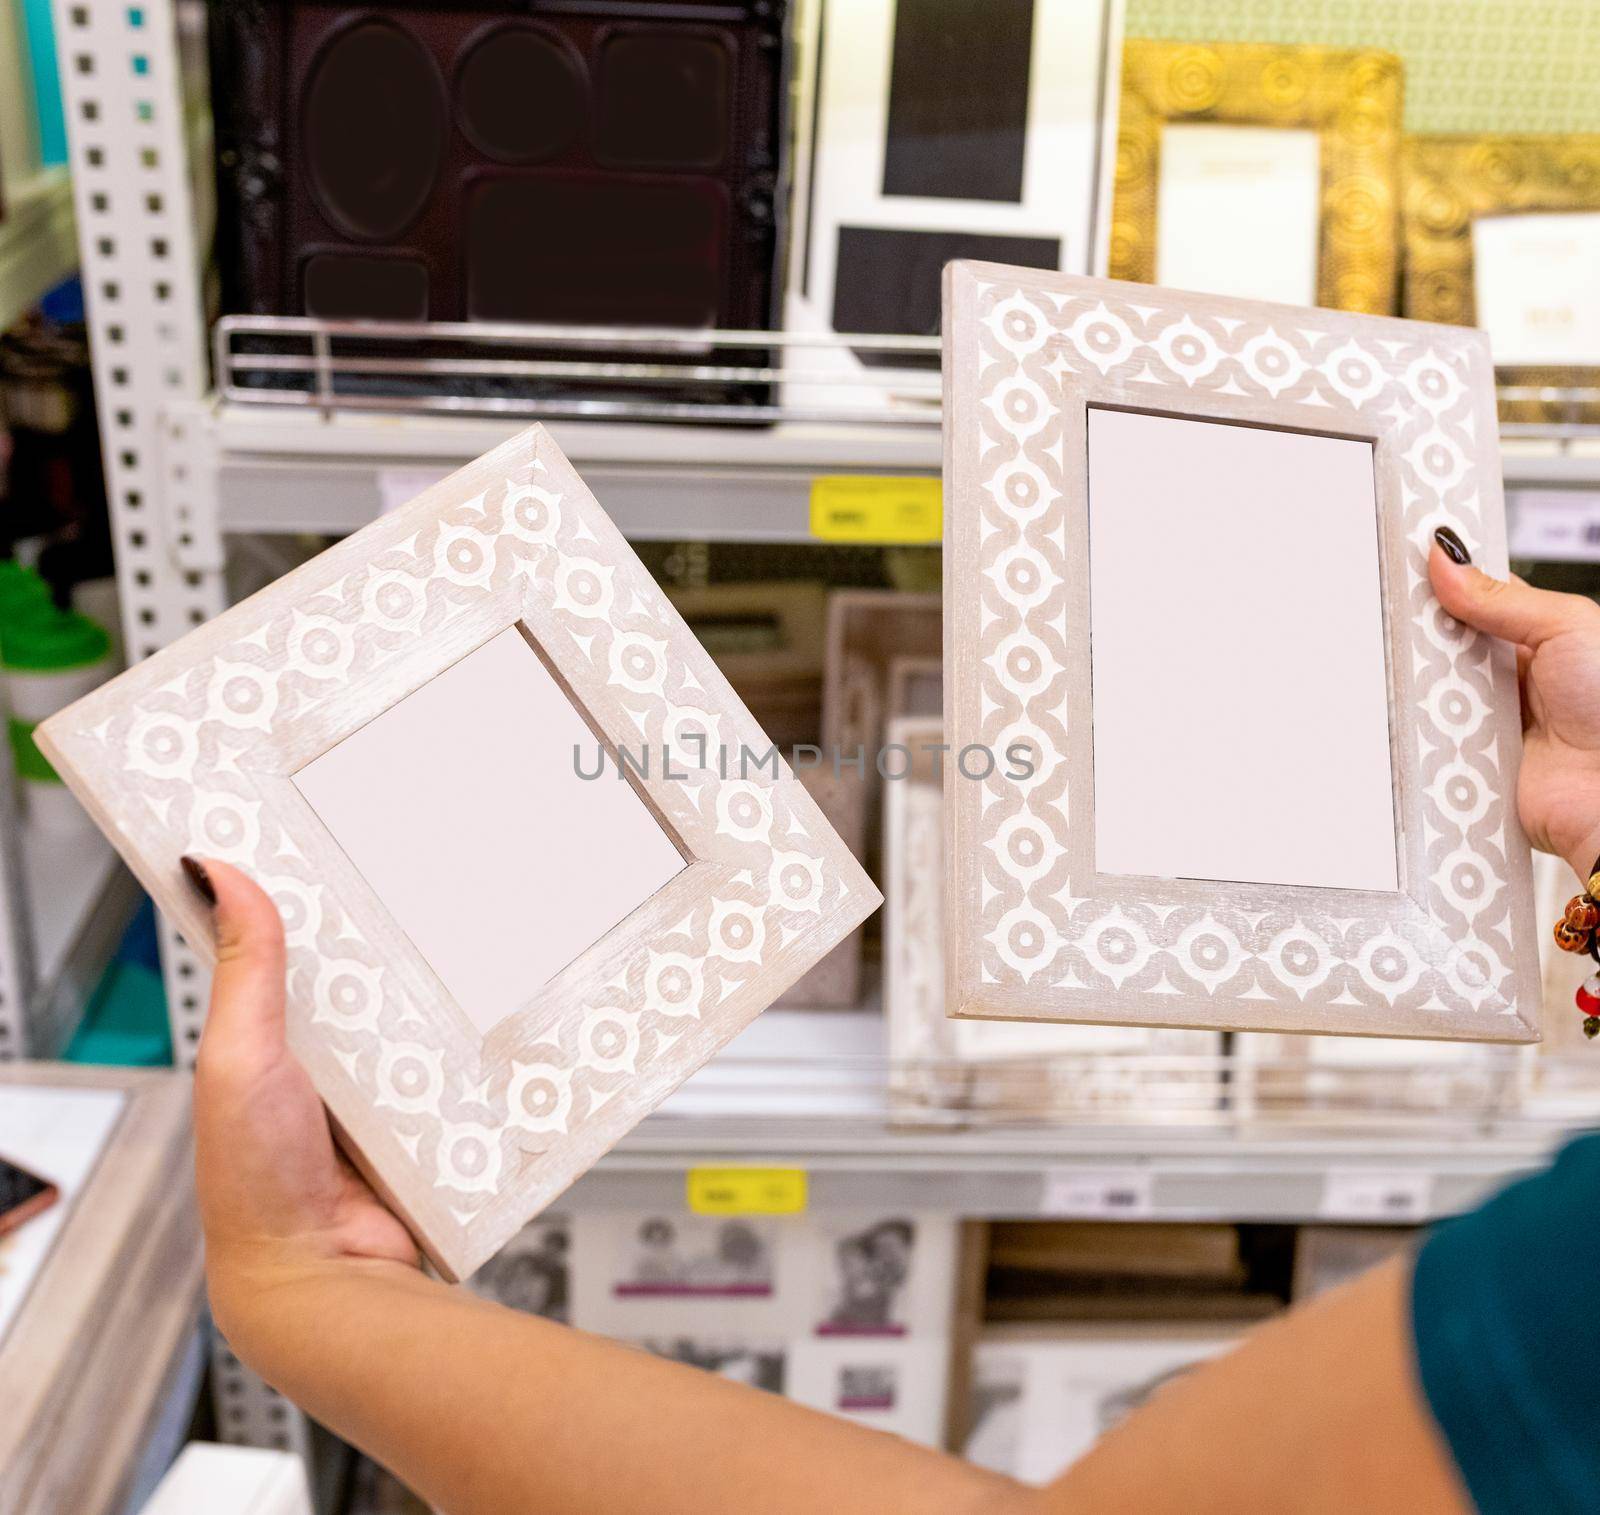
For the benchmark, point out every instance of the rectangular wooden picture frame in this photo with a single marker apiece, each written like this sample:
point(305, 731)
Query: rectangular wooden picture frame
point(502, 595)
point(1063, 642)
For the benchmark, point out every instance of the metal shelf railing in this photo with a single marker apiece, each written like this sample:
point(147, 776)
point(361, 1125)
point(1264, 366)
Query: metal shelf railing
point(659, 374)
point(653, 373)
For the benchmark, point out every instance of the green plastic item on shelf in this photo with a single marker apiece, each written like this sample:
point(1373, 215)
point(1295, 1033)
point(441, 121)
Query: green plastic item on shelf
point(30, 762)
point(22, 591)
point(52, 642)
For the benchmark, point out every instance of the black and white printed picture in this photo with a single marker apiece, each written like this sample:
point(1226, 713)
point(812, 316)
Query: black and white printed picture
point(866, 1387)
point(687, 1256)
point(761, 1367)
point(871, 1269)
point(532, 1273)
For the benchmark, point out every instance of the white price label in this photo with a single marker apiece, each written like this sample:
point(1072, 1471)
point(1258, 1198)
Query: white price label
point(400, 486)
point(1375, 1194)
point(1098, 1194)
point(1561, 525)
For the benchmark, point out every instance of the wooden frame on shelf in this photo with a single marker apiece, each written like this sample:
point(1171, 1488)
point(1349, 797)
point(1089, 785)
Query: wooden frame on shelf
point(1351, 99)
point(1039, 930)
point(768, 640)
point(469, 1128)
point(1447, 183)
point(88, 1358)
point(916, 687)
point(900, 166)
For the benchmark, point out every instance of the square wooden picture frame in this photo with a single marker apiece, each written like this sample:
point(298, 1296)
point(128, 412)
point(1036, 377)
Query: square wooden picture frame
point(1447, 182)
point(468, 1134)
point(1350, 98)
point(1037, 930)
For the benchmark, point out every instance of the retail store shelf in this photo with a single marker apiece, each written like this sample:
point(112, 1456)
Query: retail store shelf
point(80, 899)
point(811, 1090)
point(1066, 1172)
point(38, 241)
point(290, 470)
point(281, 470)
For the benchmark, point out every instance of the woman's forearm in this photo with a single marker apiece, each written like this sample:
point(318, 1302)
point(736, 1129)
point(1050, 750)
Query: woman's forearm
point(1318, 1413)
point(484, 1411)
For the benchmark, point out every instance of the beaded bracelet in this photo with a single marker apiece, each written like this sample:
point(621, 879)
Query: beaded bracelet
point(1576, 932)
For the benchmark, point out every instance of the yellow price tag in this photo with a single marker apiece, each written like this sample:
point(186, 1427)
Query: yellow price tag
point(747, 1191)
point(886, 508)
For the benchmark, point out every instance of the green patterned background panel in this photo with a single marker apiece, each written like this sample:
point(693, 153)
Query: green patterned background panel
point(1471, 65)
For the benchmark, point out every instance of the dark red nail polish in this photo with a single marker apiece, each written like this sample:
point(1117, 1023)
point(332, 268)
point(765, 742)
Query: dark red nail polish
point(200, 879)
point(1455, 549)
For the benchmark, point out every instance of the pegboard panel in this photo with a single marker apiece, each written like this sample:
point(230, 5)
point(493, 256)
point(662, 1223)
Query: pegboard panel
point(249, 1412)
point(123, 91)
point(188, 982)
point(123, 86)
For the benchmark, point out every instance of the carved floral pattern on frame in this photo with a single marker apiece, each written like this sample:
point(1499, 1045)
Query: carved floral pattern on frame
point(1457, 958)
point(477, 1122)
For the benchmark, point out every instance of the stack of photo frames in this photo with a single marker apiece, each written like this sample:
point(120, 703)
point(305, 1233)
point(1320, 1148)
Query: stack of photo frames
point(848, 1313)
point(973, 1069)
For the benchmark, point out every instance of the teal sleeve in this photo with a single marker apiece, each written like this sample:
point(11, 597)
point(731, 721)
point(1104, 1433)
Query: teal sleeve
point(1505, 1305)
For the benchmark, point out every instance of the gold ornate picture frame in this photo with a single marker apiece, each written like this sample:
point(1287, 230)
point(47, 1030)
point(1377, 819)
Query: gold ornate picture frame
point(469, 1132)
point(1351, 98)
point(1447, 182)
point(1038, 931)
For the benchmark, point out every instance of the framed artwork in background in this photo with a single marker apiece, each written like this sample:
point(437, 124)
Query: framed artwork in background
point(1259, 170)
point(768, 640)
point(1230, 764)
point(869, 631)
point(378, 163)
point(916, 688)
point(936, 129)
point(405, 163)
point(1503, 233)
point(500, 796)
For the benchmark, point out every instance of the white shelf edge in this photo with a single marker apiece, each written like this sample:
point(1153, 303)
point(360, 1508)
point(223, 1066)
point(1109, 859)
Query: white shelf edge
point(296, 470)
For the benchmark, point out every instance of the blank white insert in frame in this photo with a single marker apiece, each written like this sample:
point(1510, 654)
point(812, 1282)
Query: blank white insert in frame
point(1241, 717)
point(461, 807)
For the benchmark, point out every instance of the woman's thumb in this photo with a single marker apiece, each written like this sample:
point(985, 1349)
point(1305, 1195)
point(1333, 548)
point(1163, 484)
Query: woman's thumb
point(1505, 608)
point(247, 993)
